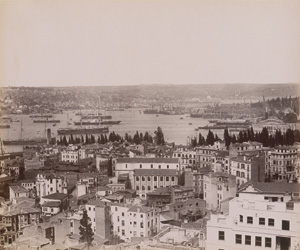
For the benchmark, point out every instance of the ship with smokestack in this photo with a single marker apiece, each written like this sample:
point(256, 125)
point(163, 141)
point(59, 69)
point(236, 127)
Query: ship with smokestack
point(81, 131)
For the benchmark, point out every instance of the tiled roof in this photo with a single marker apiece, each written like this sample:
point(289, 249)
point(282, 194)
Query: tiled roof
point(147, 160)
point(167, 172)
point(272, 187)
point(56, 196)
point(51, 204)
point(18, 189)
point(139, 209)
point(97, 203)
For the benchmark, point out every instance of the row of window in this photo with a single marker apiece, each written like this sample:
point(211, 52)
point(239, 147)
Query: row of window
point(159, 166)
point(285, 224)
point(155, 178)
point(248, 239)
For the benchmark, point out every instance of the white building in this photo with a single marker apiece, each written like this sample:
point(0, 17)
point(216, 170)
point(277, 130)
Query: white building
point(187, 157)
point(146, 180)
point(283, 162)
point(98, 212)
point(73, 154)
point(264, 216)
point(128, 165)
point(134, 221)
point(217, 188)
point(50, 183)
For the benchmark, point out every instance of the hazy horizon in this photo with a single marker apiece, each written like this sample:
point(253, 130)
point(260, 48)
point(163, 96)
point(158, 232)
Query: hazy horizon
point(65, 43)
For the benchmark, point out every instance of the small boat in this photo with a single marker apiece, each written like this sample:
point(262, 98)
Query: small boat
point(54, 124)
point(181, 118)
point(190, 123)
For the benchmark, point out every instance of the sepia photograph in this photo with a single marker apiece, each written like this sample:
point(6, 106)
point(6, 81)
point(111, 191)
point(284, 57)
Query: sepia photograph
point(149, 124)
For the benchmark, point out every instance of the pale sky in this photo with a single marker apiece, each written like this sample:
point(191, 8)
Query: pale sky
point(118, 42)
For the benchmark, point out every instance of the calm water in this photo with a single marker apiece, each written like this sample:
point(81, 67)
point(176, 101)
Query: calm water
point(175, 129)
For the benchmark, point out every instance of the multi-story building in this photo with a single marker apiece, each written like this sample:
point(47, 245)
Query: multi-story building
point(50, 183)
point(166, 195)
point(244, 147)
point(248, 167)
point(134, 221)
point(204, 156)
point(128, 165)
point(73, 154)
point(17, 191)
point(98, 212)
point(186, 156)
point(218, 186)
point(16, 218)
point(194, 179)
point(221, 161)
point(147, 180)
point(282, 163)
point(263, 216)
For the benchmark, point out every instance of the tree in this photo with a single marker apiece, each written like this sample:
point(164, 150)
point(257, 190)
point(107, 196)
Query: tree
point(85, 230)
point(227, 138)
point(210, 139)
point(159, 136)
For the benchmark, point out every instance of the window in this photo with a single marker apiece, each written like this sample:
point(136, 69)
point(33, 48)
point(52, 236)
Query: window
point(247, 240)
point(142, 225)
point(221, 235)
point(258, 241)
point(161, 178)
point(123, 223)
point(137, 178)
point(123, 214)
point(123, 232)
point(173, 178)
point(116, 209)
point(141, 165)
point(268, 242)
point(151, 165)
point(143, 178)
point(89, 208)
point(238, 239)
point(159, 166)
point(167, 178)
point(249, 220)
point(241, 218)
point(149, 179)
point(155, 178)
point(142, 216)
point(261, 221)
point(118, 218)
point(143, 187)
point(285, 225)
point(137, 188)
point(271, 222)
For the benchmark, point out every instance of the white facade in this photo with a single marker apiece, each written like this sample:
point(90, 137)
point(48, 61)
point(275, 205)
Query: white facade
point(217, 188)
point(70, 156)
point(49, 184)
point(128, 165)
point(255, 221)
point(134, 221)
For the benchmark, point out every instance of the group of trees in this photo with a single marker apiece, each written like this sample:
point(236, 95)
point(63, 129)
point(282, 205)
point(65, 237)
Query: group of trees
point(113, 137)
point(211, 138)
point(279, 138)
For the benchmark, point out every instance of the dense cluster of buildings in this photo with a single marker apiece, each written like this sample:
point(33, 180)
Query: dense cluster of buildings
point(208, 197)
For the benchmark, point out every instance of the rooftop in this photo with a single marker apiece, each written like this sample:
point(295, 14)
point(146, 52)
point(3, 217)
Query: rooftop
point(167, 172)
point(147, 160)
point(55, 196)
point(18, 189)
point(51, 204)
point(272, 187)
